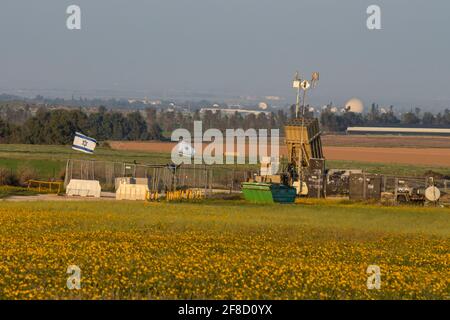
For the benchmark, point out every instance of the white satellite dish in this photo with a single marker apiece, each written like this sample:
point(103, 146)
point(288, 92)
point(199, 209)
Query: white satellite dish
point(305, 84)
point(432, 193)
point(185, 149)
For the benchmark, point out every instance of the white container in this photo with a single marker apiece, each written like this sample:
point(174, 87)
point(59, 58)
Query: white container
point(128, 191)
point(84, 188)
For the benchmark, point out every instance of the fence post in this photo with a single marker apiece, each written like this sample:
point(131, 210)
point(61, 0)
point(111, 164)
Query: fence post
point(205, 177)
point(210, 180)
point(93, 169)
point(364, 186)
point(395, 190)
point(66, 176)
point(194, 183)
point(175, 179)
point(232, 181)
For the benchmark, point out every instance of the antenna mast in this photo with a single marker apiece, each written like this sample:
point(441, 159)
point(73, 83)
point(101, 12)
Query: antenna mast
point(304, 85)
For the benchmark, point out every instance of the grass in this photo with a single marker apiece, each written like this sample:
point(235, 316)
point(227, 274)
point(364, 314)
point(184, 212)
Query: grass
point(388, 168)
point(58, 152)
point(8, 191)
point(222, 250)
point(45, 169)
point(49, 161)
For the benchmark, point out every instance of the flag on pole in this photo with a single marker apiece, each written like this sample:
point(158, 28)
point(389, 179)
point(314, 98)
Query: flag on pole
point(84, 143)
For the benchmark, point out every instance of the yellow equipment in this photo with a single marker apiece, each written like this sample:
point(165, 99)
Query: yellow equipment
point(152, 196)
point(303, 141)
point(181, 195)
point(46, 186)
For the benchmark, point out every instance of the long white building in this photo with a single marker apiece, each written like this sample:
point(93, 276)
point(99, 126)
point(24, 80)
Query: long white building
point(399, 131)
point(230, 111)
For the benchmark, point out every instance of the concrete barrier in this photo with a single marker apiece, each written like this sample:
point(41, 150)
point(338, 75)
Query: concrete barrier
point(130, 180)
point(127, 191)
point(84, 188)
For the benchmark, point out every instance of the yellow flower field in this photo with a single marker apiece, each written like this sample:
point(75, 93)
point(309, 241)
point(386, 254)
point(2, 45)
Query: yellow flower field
point(222, 250)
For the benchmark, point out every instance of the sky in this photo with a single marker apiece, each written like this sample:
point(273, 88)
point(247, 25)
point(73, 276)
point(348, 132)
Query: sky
point(159, 48)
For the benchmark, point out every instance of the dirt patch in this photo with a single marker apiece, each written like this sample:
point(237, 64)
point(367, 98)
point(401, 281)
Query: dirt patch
point(386, 141)
point(406, 155)
point(414, 156)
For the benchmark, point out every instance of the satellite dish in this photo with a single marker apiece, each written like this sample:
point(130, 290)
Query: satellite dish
point(432, 193)
point(185, 149)
point(305, 84)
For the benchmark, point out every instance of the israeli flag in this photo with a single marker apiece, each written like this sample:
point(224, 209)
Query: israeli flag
point(185, 149)
point(84, 143)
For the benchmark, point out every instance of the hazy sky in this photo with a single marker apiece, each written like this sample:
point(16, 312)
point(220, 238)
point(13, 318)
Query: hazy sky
point(237, 47)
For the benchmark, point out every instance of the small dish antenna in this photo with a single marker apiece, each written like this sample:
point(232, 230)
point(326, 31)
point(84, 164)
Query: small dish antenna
point(305, 84)
point(432, 194)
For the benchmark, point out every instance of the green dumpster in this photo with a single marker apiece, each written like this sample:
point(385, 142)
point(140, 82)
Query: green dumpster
point(258, 192)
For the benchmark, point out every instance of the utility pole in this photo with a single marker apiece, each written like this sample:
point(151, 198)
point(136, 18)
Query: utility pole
point(296, 85)
point(304, 85)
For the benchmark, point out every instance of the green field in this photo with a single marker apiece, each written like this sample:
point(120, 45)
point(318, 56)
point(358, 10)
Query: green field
point(388, 168)
point(222, 250)
point(49, 161)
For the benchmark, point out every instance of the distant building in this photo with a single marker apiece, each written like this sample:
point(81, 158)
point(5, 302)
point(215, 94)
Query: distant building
point(233, 111)
point(273, 98)
point(399, 131)
point(263, 106)
point(354, 105)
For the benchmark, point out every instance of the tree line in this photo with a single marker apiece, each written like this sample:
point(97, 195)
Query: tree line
point(340, 121)
point(58, 126)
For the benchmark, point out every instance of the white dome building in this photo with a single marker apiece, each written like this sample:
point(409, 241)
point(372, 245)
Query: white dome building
point(263, 105)
point(354, 105)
